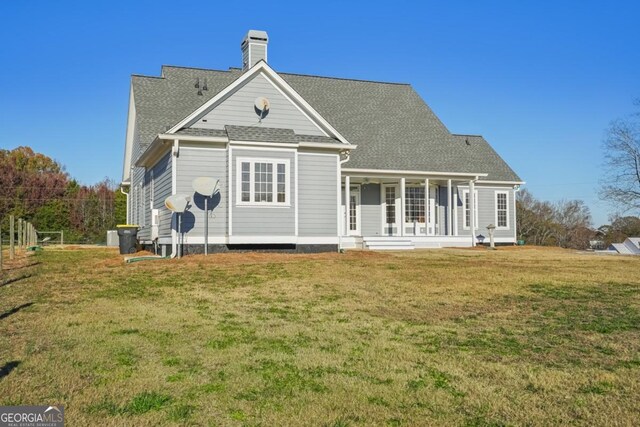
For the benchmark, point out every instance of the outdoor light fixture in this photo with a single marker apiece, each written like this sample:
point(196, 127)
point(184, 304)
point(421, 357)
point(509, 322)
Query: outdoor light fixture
point(480, 238)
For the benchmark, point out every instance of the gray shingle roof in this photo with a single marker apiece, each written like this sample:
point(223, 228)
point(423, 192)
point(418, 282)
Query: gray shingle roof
point(392, 126)
point(202, 132)
point(257, 133)
point(485, 158)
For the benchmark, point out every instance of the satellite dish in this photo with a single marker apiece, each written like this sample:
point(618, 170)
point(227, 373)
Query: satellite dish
point(205, 185)
point(262, 106)
point(177, 203)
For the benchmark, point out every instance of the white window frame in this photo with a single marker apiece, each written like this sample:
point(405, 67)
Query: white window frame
point(273, 161)
point(506, 193)
point(464, 209)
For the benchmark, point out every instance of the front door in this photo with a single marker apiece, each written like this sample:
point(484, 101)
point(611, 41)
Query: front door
point(391, 210)
point(354, 211)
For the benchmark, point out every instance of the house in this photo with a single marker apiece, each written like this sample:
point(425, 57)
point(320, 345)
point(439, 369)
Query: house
point(630, 246)
point(290, 149)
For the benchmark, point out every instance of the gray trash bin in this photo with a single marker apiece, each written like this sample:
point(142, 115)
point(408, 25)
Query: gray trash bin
point(128, 238)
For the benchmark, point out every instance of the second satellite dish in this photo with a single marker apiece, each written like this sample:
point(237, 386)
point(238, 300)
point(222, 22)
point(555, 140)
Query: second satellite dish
point(205, 185)
point(177, 203)
point(261, 105)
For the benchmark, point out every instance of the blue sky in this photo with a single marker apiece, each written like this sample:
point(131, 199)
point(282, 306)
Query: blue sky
point(541, 80)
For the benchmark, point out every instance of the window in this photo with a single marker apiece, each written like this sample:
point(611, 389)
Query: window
point(390, 198)
point(414, 204)
point(467, 208)
point(502, 209)
point(262, 182)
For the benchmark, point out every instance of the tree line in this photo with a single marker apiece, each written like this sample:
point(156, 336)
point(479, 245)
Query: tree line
point(38, 189)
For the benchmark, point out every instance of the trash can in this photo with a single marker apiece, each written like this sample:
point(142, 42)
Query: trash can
point(128, 238)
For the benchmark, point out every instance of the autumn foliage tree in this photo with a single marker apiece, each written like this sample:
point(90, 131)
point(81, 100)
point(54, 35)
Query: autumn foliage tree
point(37, 188)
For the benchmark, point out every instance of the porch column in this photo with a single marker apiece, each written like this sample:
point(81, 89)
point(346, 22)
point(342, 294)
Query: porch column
point(454, 198)
point(472, 211)
point(449, 215)
point(426, 207)
point(403, 183)
point(347, 204)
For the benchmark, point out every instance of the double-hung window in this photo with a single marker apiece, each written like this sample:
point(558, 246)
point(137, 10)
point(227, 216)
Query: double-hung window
point(467, 208)
point(502, 209)
point(263, 182)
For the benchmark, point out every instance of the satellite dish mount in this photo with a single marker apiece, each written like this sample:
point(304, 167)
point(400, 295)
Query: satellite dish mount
point(178, 203)
point(207, 187)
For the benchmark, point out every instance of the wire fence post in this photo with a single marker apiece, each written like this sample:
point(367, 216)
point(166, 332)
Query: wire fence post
point(20, 241)
point(62, 238)
point(12, 252)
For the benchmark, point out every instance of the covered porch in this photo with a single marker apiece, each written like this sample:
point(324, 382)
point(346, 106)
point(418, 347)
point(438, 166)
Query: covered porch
point(406, 210)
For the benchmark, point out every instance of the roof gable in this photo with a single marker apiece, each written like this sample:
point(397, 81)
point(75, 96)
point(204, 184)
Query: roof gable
point(238, 109)
point(280, 85)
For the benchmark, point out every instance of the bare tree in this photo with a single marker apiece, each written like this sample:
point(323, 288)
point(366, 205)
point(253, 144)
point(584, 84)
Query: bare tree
point(621, 181)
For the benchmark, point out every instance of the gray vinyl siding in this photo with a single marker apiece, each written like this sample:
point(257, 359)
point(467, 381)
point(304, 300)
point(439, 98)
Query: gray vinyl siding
point(162, 190)
point(317, 193)
point(195, 163)
point(137, 208)
point(263, 221)
point(487, 211)
point(370, 210)
point(238, 109)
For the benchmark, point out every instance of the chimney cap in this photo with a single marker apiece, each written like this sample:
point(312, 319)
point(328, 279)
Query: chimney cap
point(256, 36)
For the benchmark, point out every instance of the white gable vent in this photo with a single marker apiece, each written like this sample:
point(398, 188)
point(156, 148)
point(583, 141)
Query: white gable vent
point(254, 48)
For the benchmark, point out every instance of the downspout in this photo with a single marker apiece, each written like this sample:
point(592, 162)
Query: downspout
point(174, 183)
point(126, 194)
point(347, 155)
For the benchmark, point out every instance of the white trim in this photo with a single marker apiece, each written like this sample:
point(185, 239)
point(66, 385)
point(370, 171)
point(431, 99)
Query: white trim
point(495, 205)
point(338, 195)
point(194, 138)
point(128, 145)
point(260, 68)
point(241, 146)
point(473, 199)
point(464, 209)
point(312, 153)
point(186, 146)
point(444, 175)
point(455, 210)
point(295, 175)
point(229, 191)
point(480, 182)
point(273, 161)
point(174, 190)
point(347, 200)
point(449, 211)
point(403, 190)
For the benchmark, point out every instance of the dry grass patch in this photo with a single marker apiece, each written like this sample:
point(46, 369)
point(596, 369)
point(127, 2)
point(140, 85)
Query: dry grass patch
point(469, 337)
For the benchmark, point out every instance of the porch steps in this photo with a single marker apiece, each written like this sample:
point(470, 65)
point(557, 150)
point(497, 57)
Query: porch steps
point(388, 244)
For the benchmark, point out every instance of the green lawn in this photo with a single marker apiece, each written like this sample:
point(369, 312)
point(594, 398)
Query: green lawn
point(454, 337)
